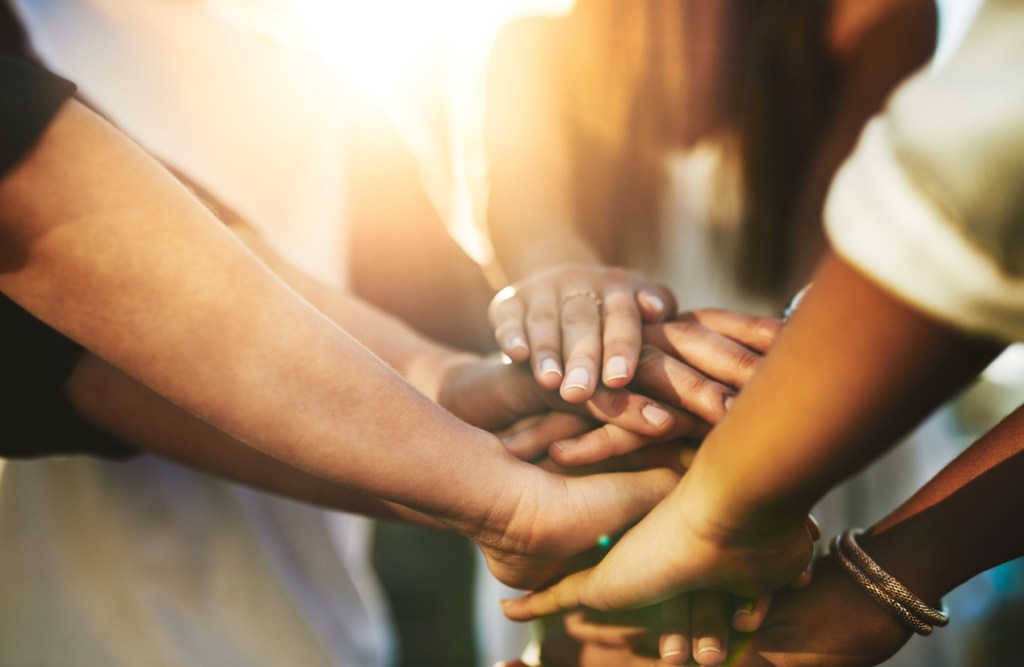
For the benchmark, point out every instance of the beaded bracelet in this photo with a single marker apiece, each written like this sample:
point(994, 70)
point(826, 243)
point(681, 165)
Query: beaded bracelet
point(883, 587)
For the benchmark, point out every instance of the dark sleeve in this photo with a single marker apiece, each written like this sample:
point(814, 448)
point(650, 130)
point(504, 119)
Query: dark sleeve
point(36, 417)
point(29, 99)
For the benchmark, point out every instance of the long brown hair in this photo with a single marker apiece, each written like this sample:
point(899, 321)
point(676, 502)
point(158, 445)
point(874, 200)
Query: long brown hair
point(631, 79)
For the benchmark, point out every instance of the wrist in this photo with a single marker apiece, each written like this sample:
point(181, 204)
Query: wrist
point(723, 514)
point(503, 515)
point(912, 560)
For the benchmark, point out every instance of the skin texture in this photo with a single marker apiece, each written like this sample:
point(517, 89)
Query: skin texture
point(736, 520)
point(105, 246)
point(949, 531)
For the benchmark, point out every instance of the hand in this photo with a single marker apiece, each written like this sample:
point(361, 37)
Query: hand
point(538, 531)
point(693, 625)
point(692, 553)
point(590, 318)
point(697, 362)
point(689, 626)
point(831, 622)
point(494, 396)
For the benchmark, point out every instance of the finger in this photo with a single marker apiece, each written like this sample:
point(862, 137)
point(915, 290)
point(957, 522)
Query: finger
point(530, 437)
point(682, 386)
point(813, 528)
point(656, 303)
point(581, 343)
point(707, 352)
point(589, 627)
point(803, 580)
point(622, 332)
point(506, 314)
point(612, 441)
point(754, 331)
point(710, 626)
point(562, 596)
point(632, 411)
point(750, 613)
point(543, 329)
point(674, 644)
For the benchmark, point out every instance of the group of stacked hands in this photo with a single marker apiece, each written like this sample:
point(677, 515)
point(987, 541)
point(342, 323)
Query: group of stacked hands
point(573, 463)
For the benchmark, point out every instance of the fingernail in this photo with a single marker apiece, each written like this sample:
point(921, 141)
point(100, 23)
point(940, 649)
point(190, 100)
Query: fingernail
point(578, 378)
point(565, 445)
point(654, 415)
point(549, 365)
point(742, 620)
point(515, 341)
point(616, 368)
point(672, 647)
point(728, 402)
point(653, 301)
point(708, 647)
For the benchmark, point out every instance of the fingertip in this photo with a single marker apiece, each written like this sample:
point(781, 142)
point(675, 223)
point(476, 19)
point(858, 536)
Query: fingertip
point(804, 578)
point(673, 649)
point(617, 372)
point(652, 306)
point(750, 613)
point(547, 372)
point(515, 348)
point(657, 417)
point(708, 651)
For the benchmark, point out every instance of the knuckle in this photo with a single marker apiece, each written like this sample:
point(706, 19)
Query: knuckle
point(745, 361)
point(577, 316)
point(618, 274)
point(542, 312)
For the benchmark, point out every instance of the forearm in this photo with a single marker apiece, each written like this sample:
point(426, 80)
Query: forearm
point(960, 523)
point(420, 360)
point(123, 407)
point(837, 388)
point(530, 214)
point(108, 248)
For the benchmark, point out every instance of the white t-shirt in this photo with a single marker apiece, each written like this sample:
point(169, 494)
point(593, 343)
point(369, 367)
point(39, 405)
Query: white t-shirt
point(931, 203)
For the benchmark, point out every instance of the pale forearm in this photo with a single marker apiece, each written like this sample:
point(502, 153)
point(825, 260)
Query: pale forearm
point(837, 388)
point(420, 360)
point(109, 249)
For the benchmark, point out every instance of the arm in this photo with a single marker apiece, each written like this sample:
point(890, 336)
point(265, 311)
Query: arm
point(561, 288)
point(736, 521)
point(105, 246)
point(952, 529)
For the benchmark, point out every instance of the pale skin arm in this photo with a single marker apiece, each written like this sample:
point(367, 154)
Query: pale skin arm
point(479, 391)
point(866, 366)
point(547, 316)
point(956, 526)
point(105, 246)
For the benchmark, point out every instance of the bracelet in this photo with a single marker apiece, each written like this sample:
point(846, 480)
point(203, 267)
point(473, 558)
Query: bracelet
point(794, 304)
point(883, 587)
point(939, 617)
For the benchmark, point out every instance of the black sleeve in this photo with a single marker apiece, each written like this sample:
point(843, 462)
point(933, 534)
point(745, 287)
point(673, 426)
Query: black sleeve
point(29, 98)
point(36, 417)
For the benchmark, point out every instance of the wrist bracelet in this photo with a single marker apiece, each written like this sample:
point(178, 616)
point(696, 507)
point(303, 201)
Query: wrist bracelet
point(894, 588)
point(883, 587)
